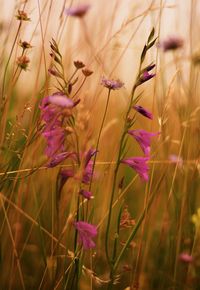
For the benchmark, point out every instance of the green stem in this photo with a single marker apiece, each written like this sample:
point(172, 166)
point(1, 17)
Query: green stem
point(100, 131)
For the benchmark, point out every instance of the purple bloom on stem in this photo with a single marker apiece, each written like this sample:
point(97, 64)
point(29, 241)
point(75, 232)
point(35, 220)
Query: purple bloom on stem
point(88, 167)
point(145, 77)
point(112, 84)
point(55, 139)
point(61, 100)
point(86, 233)
point(78, 11)
point(172, 43)
point(56, 159)
point(139, 164)
point(143, 111)
point(85, 193)
point(65, 175)
point(87, 173)
point(143, 138)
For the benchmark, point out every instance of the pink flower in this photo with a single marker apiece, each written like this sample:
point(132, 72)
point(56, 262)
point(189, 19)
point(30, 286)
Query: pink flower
point(55, 138)
point(60, 100)
point(143, 112)
point(139, 164)
point(184, 257)
point(88, 167)
point(86, 233)
point(112, 84)
point(78, 11)
point(143, 138)
point(85, 193)
point(56, 159)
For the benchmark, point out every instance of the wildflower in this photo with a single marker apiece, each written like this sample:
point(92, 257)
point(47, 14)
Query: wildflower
point(23, 61)
point(186, 258)
point(145, 77)
point(61, 100)
point(79, 64)
point(78, 11)
point(25, 44)
point(112, 84)
point(87, 72)
point(143, 112)
point(143, 138)
point(56, 159)
point(55, 138)
point(172, 43)
point(86, 233)
point(85, 193)
point(88, 167)
point(139, 164)
point(22, 16)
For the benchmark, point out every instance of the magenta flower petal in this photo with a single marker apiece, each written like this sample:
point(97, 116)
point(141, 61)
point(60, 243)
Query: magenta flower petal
point(78, 11)
point(139, 164)
point(86, 194)
point(61, 100)
point(143, 112)
point(143, 138)
point(86, 233)
point(56, 159)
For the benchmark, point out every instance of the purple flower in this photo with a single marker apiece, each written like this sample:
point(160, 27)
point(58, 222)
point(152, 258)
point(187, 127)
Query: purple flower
point(172, 43)
point(88, 166)
point(86, 233)
point(145, 77)
point(111, 84)
point(56, 159)
point(60, 100)
point(139, 164)
point(55, 139)
point(143, 111)
point(78, 11)
point(143, 138)
point(186, 258)
point(85, 193)
point(87, 172)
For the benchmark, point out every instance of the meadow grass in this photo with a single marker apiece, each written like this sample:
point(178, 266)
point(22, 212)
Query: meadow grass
point(99, 145)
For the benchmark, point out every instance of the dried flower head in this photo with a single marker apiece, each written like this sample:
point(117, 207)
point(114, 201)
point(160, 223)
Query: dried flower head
point(111, 84)
point(23, 61)
point(172, 43)
point(25, 44)
point(79, 64)
point(87, 72)
point(22, 16)
point(78, 11)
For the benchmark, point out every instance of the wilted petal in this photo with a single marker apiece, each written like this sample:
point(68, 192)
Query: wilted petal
point(59, 158)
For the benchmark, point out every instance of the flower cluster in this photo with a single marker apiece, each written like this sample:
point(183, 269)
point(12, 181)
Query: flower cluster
point(55, 108)
point(140, 164)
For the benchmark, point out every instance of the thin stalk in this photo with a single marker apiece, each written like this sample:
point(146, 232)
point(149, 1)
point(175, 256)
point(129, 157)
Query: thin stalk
point(99, 136)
